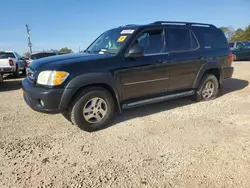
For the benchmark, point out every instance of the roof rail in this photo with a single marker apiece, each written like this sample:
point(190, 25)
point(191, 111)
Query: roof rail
point(183, 23)
point(129, 25)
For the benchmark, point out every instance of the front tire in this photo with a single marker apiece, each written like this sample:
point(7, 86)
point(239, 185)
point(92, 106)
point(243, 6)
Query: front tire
point(92, 109)
point(208, 89)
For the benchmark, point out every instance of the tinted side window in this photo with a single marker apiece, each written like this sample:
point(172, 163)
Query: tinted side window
point(211, 39)
point(151, 42)
point(180, 40)
point(194, 43)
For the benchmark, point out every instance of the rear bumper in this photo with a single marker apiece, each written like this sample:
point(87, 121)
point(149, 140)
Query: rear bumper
point(227, 73)
point(7, 69)
point(50, 98)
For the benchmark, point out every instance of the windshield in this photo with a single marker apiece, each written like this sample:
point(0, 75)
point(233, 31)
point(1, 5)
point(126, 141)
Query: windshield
point(6, 55)
point(110, 42)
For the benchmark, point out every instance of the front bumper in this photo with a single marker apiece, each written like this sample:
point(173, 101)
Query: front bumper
point(50, 98)
point(7, 70)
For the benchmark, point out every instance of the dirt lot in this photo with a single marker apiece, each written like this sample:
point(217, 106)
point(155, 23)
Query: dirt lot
point(173, 144)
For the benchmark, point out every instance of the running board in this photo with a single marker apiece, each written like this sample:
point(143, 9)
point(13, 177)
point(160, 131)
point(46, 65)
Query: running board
point(158, 99)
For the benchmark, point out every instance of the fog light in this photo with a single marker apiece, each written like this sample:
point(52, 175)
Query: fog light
point(41, 103)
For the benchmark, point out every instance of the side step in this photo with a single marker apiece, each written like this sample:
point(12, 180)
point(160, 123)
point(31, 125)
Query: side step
point(158, 99)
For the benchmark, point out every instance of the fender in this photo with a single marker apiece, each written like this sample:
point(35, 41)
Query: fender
point(206, 66)
point(88, 79)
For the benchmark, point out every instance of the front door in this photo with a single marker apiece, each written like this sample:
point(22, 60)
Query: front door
point(149, 74)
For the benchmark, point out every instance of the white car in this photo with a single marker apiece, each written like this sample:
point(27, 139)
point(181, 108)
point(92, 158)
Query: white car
point(11, 63)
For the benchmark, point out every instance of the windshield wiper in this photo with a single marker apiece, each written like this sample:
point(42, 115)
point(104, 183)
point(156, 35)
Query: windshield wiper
point(107, 52)
point(87, 51)
point(99, 52)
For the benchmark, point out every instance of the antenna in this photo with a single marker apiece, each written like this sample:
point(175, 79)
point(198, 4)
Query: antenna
point(28, 36)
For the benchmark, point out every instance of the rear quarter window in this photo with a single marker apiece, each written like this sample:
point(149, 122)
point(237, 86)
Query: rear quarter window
point(211, 38)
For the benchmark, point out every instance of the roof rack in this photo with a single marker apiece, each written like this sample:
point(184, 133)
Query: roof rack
point(183, 23)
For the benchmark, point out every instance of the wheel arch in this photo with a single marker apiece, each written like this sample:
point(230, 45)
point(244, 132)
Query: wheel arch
point(213, 68)
point(82, 82)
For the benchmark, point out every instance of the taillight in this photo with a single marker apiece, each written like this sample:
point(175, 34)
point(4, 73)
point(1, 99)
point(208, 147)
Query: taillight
point(231, 57)
point(11, 62)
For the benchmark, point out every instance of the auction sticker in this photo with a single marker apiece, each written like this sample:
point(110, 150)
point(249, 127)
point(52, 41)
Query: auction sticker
point(121, 38)
point(128, 31)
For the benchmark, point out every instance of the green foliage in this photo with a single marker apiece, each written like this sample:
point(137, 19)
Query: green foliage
point(65, 51)
point(239, 34)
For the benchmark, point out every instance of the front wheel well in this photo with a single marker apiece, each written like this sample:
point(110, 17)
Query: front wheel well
point(104, 86)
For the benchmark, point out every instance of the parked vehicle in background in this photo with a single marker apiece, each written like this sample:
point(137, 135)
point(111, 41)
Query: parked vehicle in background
point(11, 63)
point(39, 55)
point(130, 66)
point(240, 50)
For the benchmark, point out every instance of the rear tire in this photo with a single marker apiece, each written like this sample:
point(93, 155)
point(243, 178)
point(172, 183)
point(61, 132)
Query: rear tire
point(1, 78)
point(16, 73)
point(208, 88)
point(92, 109)
point(24, 71)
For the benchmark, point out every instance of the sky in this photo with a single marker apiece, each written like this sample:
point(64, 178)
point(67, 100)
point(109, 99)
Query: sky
point(75, 24)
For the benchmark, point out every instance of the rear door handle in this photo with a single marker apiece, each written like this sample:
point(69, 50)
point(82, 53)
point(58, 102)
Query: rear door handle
point(162, 61)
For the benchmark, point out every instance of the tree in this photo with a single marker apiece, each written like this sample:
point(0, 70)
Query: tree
point(224, 29)
point(247, 33)
point(54, 50)
point(239, 35)
point(229, 31)
point(65, 51)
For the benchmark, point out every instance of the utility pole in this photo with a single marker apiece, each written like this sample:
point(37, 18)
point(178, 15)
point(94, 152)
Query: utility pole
point(28, 36)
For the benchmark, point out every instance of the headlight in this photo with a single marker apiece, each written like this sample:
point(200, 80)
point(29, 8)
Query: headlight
point(52, 78)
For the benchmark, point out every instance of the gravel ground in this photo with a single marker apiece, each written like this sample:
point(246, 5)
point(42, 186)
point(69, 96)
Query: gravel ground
point(173, 144)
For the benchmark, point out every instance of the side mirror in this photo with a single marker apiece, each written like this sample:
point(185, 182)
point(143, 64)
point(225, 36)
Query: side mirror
point(135, 51)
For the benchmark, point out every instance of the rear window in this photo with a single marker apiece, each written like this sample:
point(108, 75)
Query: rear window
point(6, 55)
point(41, 55)
point(211, 39)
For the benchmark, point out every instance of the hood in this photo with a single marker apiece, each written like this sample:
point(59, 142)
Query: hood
point(61, 60)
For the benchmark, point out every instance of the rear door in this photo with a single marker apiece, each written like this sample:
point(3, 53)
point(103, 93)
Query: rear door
point(149, 74)
point(185, 59)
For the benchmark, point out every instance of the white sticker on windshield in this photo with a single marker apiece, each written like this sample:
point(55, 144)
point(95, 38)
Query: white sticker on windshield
point(128, 31)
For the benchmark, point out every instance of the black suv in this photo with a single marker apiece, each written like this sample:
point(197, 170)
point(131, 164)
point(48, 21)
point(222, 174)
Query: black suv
point(130, 66)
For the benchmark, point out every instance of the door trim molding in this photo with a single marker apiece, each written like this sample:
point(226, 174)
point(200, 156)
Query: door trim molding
point(146, 81)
